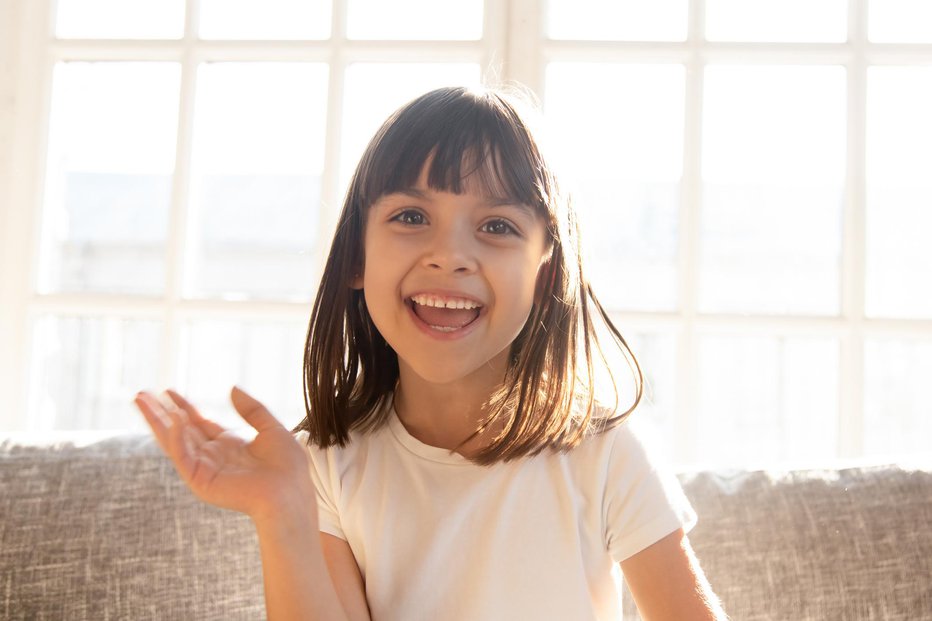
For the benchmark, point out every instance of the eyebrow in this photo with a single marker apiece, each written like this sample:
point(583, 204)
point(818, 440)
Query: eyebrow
point(490, 201)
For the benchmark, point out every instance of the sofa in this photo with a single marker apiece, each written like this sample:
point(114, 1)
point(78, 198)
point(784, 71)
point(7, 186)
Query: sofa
point(105, 530)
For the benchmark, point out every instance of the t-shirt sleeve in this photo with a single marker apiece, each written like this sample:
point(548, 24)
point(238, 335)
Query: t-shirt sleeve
point(326, 481)
point(643, 501)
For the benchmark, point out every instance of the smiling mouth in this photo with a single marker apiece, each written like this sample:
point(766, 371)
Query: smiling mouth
point(444, 314)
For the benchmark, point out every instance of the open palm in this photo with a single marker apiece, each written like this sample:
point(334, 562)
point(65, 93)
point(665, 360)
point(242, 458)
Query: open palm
point(256, 477)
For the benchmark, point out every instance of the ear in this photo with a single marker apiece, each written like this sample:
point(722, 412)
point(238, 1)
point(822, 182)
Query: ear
point(357, 281)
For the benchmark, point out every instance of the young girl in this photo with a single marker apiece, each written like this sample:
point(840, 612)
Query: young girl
point(454, 462)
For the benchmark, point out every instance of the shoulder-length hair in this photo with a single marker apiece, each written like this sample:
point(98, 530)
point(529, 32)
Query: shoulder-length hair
point(547, 399)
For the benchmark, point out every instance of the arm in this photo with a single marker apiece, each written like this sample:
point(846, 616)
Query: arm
point(267, 479)
point(346, 576)
point(307, 575)
point(298, 586)
point(667, 583)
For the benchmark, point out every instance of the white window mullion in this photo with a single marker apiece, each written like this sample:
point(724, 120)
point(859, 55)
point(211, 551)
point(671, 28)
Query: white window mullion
point(495, 37)
point(10, 253)
point(14, 223)
point(687, 353)
point(44, 63)
point(179, 218)
point(113, 50)
point(851, 374)
point(523, 61)
point(31, 79)
point(331, 199)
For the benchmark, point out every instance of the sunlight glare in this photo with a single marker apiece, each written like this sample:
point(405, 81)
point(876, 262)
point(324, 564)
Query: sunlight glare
point(772, 20)
point(765, 123)
point(260, 118)
point(119, 19)
point(116, 117)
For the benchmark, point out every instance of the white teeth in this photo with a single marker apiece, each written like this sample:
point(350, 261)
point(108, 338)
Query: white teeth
point(438, 302)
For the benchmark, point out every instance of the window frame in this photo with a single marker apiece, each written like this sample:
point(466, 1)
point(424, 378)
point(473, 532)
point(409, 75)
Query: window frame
point(513, 47)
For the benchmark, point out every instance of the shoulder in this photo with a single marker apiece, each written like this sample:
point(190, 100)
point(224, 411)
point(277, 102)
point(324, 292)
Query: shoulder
point(337, 459)
point(642, 499)
point(609, 460)
point(614, 442)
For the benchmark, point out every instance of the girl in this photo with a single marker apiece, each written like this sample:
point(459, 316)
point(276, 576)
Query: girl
point(461, 466)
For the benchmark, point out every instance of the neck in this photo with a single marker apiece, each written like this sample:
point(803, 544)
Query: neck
point(444, 415)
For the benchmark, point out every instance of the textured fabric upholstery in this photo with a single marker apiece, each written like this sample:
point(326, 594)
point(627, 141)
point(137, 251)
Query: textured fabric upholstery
point(107, 531)
point(852, 544)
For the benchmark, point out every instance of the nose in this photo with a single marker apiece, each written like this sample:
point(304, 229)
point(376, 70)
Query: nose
point(451, 250)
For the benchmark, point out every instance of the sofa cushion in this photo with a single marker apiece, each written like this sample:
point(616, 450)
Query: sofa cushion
point(108, 531)
point(819, 544)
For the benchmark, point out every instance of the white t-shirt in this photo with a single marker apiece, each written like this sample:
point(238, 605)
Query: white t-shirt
point(438, 537)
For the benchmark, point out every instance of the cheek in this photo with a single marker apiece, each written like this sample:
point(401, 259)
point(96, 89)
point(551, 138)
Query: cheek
point(521, 280)
point(380, 289)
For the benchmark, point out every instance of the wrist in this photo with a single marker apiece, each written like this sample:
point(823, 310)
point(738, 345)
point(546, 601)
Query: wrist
point(294, 507)
point(286, 526)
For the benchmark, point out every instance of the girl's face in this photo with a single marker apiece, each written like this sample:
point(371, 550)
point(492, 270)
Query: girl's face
point(449, 279)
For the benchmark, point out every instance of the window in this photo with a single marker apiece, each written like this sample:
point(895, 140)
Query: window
point(753, 176)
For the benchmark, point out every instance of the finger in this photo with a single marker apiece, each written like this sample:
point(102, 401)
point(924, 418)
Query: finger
point(191, 430)
point(207, 427)
point(168, 429)
point(154, 414)
point(180, 448)
point(180, 401)
point(252, 411)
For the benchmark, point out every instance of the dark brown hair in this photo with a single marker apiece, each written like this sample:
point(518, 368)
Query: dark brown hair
point(547, 399)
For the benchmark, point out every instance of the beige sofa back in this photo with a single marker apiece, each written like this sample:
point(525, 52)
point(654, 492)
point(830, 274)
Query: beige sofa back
point(107, 531)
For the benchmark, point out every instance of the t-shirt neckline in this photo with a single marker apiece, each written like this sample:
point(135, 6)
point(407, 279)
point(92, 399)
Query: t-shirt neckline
point(432, 453)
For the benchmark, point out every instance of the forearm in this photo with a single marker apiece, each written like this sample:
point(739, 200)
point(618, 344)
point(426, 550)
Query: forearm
point(297, 583)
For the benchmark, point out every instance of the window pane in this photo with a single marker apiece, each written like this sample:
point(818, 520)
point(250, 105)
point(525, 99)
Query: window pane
point(896, 397)
point(899, 21)
point(263, 358)
point(773, 163)
point(899, 192)
point(414, 19)
point(109, 176)
point(375, 90)
point(86, 370)
point(119, 19)
point(617, 20)
point(265, 19)
point(767, 399)
point(255, 188)
point(777, 20)
point(656, 353)
point(623, 126)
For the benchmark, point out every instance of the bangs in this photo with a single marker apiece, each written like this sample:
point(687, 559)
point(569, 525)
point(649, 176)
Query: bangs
point(475, 142)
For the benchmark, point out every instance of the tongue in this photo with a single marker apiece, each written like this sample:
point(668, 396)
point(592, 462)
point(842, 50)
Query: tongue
point(446, 317)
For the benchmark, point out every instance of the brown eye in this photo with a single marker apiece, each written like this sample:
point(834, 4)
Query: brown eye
point(410, 217)
point(499, 227)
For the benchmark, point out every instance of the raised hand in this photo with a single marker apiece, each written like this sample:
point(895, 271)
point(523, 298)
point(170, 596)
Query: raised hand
point(261, 477)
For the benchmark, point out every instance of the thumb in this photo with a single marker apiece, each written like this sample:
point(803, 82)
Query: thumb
point(252, 411)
